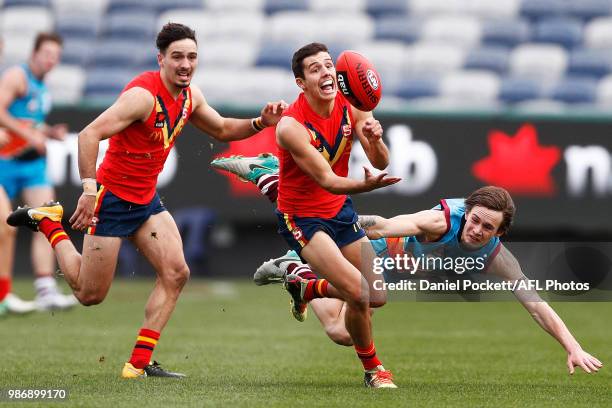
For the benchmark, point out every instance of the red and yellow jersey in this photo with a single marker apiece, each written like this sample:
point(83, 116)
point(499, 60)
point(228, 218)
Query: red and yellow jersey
point(136, 155)
point(298, 193)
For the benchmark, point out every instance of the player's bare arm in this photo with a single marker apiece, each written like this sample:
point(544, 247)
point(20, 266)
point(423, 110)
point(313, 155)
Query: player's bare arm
point(13, 85)
point(506, 266)
point(292, 136)
point(209, 121)
point(133, 105)
point(430, 223)
point(370, 131)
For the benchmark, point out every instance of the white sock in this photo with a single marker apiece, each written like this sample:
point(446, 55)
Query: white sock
point(45, 286)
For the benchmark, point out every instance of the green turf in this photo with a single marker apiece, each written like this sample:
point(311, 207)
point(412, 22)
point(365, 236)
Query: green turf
point(240, 347)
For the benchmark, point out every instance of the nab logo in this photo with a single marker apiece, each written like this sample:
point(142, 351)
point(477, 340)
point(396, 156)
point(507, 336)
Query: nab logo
point(160, 120)
point(519, 163)
point(342, 83)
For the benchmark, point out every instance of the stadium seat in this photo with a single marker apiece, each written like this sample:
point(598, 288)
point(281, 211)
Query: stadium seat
point(387, 56)
point(490, 58)
point(604, 91)
point(234, 5)
point(505, 32)
point(536, 9)
point(76, 51)
point(275, 55)
point(12, 20)
point(436, 7)
point(335, 27)
point(588, 9)
point(598, 33)
point(463, 31)
point(89, 7)
point(415, 87)
point(129, 25)
point(165, 5)
point(398, 28)
point(77, 25)
point(195, 18)
point(114, 53)
point(345, 6)
point(502, 9)
point(544, 61)
point(229, 53)
point(130, 6)
point(514, 89)
point(275, 6)
point(574, 90)
point(28, 3)
point(471, 87)
point(17, 48)
point(295, 27)
point(66, 84)
point(426, 58)
point(590, 63)
point(378, 8)
point(564, 31)
point(542, 106)
point(257, 85)
point(247, 26)
point(105, 84)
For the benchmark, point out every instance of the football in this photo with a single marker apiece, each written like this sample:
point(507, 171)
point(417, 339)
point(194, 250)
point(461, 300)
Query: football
point(358, 80)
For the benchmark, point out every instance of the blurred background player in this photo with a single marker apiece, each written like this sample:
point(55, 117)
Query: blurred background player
point(24, 105)
point(469, 227)
point(315, 215)
point(121, 200)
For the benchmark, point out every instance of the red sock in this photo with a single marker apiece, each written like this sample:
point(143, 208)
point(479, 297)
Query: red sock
point(53, 230)
point(145, 344)
point(5, 286)
point(301, 270)
point(368, 357)
point(317, 288)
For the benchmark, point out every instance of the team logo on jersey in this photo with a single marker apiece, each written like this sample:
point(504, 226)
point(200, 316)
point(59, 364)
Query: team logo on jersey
point(160, 119)
point(347, 130)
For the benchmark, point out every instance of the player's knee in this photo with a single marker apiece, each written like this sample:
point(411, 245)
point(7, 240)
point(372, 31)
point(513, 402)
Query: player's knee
point(177, 276)
point(356, 298)
point(376, 303)
point(339, 335)
point(90, 298)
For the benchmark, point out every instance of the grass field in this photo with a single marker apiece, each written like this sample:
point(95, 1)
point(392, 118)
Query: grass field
point(240, 347)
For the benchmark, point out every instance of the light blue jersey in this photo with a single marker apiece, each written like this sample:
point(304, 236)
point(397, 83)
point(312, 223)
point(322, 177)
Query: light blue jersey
point(35, 105)
point(24, 168)
point(447, 247)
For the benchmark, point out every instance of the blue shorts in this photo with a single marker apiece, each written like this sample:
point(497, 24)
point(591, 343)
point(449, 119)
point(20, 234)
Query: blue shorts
point(18, 175)
point(115, 217)
point(344, 228)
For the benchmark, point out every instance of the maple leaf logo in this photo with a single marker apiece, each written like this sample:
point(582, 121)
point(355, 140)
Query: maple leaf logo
point(519, 164)
point(264, 141)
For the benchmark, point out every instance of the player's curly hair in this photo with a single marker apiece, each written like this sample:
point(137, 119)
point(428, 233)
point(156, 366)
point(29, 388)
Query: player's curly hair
point(496, 199)
point(172, 32)
point(303, 53)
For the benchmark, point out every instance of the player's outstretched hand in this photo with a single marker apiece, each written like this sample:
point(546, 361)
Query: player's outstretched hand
point(271, 113)
point(83, 215)
point(381, 180)
point(583, 360)
point(372, 130)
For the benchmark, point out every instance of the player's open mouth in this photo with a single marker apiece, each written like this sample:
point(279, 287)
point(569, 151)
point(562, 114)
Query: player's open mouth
point(327, 86)
point(183, 75)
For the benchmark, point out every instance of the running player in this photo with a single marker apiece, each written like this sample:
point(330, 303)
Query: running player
point(314, 138)
point(24, 105)
point(467, 228)
point(122, 202)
